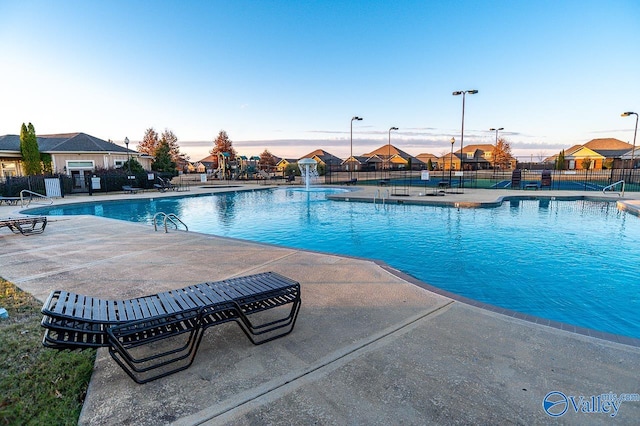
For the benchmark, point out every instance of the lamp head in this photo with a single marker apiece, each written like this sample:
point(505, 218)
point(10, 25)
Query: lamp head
point(501, 128)
point(626, 114)
point(126, 142)
point(453, 140)
point(393, 128)
point(472, 92)
point(457, 92)
point(356, 118)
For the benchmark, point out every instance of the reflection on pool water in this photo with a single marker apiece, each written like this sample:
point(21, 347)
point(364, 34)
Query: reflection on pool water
point(571, 261)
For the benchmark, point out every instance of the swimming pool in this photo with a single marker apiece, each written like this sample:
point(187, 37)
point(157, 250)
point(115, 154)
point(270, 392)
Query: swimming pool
point(576, 262)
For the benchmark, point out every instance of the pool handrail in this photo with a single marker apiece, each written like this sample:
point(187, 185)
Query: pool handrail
point(31, 196)
point(168, 218)
point(604, 190)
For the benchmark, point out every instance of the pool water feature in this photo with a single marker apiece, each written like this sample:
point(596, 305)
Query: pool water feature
point(309, 171)
point(576, 262)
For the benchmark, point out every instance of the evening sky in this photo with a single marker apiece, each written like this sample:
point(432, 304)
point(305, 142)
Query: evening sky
point(290, 75)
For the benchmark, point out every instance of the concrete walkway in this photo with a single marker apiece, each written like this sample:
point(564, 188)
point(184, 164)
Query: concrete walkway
point(370, 346)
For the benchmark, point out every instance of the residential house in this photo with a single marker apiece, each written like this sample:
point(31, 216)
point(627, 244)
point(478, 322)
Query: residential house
point(323, 157)
point(450, 161)
point(476, 157)
point(210, 163)
point(435, 160)
point(631, 157)
point(74, 154)
point(355, 163)
point(599, 153)
point(390, 157)
point(282, 164)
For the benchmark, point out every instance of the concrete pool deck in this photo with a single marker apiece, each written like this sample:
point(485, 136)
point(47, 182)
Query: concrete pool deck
point(370, 346)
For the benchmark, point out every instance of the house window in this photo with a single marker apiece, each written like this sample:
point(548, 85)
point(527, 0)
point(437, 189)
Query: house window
point(79, 164)
point(119, 163)
point(470, 155)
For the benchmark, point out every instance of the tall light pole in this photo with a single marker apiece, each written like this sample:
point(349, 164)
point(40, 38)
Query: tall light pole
point(463, 93)
point(453, 140)
point(351, 154)
point(627, 114)
point(496, 145)
point(389, 151)
point(126, 143)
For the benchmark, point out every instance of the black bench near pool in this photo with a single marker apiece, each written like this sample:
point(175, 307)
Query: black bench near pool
point(157, 335)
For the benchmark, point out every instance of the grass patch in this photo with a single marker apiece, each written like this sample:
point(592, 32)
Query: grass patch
point(37, 385)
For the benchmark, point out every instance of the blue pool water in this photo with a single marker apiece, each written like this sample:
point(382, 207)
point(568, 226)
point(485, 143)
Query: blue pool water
point(576, 262)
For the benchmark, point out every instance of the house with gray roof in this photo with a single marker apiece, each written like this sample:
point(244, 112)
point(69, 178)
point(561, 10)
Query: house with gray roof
point(73, 154)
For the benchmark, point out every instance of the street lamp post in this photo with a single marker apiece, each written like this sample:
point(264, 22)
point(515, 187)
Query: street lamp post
point(126, 143)
point(453, 140)
point(494, 159)
point(463, 93)
point(351, 154)
point(389, 152)
point(627, 114)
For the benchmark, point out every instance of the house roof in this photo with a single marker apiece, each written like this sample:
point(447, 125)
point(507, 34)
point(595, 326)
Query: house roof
point(385, 150)
point(425, 157)
point(479, 147)
point(65, 142)
point(209, 159)
point(608, 144)
point(323, 155)
point(607, 147)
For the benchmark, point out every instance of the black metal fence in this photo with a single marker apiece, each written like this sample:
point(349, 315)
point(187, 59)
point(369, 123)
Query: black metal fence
point(103, 183)
point(583, 180)
point(576, 180)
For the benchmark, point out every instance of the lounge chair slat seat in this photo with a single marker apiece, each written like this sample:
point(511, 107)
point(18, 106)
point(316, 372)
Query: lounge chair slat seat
point(185, 300)
point(128, 310)
point(169, 305)
point(179, 317)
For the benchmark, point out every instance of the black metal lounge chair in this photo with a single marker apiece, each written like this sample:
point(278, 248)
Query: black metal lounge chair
point(10, 201)
point(25, 225)
point(164, 185)
point(130, 189)
point(133, 329)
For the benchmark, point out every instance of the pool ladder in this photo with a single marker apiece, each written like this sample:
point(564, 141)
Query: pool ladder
point(613, 185)
point(383, 196)
point(168, 218)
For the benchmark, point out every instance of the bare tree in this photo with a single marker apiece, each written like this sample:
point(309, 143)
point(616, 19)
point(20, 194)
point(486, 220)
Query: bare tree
point(542, 155)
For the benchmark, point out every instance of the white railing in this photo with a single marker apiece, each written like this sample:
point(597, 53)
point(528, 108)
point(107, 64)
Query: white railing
point(168, 218)
point(381, 195)
point(604, 190)
point(26, 200)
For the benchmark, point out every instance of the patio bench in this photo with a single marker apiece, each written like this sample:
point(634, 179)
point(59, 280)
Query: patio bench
point(153, 336)
point(25, 225)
